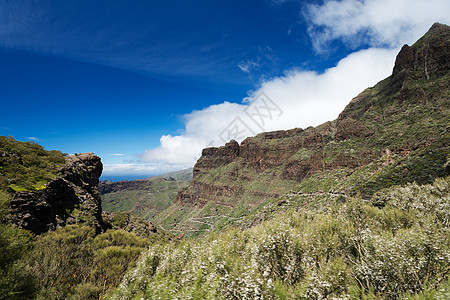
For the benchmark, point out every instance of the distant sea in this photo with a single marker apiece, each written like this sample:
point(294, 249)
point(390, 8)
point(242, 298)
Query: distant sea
point(124, 177)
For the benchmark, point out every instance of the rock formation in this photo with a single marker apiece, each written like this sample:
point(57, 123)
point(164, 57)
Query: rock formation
point(72, 197)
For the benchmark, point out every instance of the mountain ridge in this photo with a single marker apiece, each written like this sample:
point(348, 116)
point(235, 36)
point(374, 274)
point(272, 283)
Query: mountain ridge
point(382, 131)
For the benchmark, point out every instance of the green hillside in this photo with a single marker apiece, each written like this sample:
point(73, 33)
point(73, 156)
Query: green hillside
point(182, 175)
point(356, 208)
point(144, 198)
point(70, 250)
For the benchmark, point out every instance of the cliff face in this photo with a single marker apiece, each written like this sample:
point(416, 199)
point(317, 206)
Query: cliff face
point(400, 124)
point(107, 187)
point(72, 197)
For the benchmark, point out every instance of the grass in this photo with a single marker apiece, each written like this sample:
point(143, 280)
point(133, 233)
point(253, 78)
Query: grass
point(27, 166)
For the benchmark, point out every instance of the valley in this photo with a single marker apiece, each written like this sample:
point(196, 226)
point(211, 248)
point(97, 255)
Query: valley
point(355, 208)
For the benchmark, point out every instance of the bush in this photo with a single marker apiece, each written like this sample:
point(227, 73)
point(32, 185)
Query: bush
point(15, 279)
point(72, 261)
point(349, 250)
point(405, 263)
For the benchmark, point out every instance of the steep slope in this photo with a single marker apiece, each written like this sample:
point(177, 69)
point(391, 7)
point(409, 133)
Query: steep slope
point(395, 132)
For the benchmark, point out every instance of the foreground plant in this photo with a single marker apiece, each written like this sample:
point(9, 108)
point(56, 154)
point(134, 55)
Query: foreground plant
point(349, 250)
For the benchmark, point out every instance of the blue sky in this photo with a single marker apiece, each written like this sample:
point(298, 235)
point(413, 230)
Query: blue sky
point(147, 84)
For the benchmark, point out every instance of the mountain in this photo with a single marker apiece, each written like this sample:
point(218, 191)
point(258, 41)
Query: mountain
point(393, 133)
point(145, 198)
point(356, 208)
point(182, 175)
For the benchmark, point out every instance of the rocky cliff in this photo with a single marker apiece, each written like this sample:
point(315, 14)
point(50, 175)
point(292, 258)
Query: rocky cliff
point(72, 197)
point(395, 132)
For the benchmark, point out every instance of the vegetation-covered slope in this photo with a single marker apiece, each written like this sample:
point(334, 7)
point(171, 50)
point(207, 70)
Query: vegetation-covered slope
point(355, 208)
point(145, 198)
point(26, 165)
point(335, 249)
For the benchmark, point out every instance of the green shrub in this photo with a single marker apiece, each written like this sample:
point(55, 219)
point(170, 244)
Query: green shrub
point(73, 262)
point(405, 263)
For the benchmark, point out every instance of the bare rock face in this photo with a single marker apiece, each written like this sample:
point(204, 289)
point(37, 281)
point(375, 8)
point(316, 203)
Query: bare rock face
point(348, 127)
point(428, 57)
point(214, 157)
point(404, 60)
point(199, 193)
point(70, 198)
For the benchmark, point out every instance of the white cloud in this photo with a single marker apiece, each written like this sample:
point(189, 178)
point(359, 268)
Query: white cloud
point(304, 98)
point(33, 138)
point(388, 23)
point(138, 169)
point(116, 154)
point(201, 129)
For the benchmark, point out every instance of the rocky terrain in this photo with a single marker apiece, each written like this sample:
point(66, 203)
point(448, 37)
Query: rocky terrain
point(356, 208)
point(56, 242)
point(69, 198)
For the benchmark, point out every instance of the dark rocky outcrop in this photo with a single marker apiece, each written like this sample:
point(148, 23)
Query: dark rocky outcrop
point(106, 186)
point(404, 61)
point(71, 197)
point(199, 193)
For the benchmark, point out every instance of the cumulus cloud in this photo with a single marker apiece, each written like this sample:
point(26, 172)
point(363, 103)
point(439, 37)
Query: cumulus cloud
point(378, 23)
point(306, 98)
point(298, 99)
point(202, 128)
